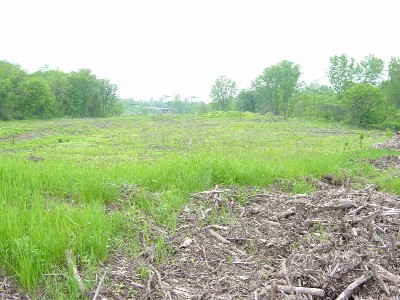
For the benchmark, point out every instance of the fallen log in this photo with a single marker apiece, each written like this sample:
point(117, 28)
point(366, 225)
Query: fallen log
point(295, 290)
point(346, 294)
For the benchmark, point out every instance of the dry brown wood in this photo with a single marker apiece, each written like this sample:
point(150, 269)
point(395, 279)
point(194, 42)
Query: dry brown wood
point(211, 192)
point(273, 290)
point(77, 277)
point(295, 290)
point(96, 294)
point(158, 275)
point(386, 275)
point(138, 285)
point(346, 294)
point(336, 204)
point(218, 236)
point(384, 286)
point(216, 227)
point(356, 210)
point(182, 292)
point(286, 213)
point(285, 273)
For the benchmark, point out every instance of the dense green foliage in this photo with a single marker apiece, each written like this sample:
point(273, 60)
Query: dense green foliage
point(51, 93)
point(359, 93)
point(223, 92)
point(362, 93)
point(276, 87)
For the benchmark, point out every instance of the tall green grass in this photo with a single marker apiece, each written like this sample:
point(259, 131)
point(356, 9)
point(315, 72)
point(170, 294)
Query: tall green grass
point(66, 200)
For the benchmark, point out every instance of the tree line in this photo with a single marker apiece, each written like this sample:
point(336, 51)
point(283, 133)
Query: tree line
point(362, 93)
point(53, 93)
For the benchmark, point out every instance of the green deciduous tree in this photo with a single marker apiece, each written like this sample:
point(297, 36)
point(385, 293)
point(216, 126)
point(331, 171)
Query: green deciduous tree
point(344, 72)
point(317, 101)
point(37, 99)
point(341, 73)
point(394, 82)
point(48, 93)
point(364, 104)
point(60, 87)
point(277, 85)
point(370, 70)
point(11, 80)
point(223, 91)
point(247, 100)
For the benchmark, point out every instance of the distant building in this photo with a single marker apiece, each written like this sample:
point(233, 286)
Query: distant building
point(192, 99)
point(160, 110)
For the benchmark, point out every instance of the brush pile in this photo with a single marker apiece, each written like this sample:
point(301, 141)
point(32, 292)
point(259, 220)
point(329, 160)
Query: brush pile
point(335, 244)
point(393, 143)
point(386, 162)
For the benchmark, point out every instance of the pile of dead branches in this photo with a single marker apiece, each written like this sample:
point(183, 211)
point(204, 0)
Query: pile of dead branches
point(334, 244)
point(386, 162)
point(393, 143)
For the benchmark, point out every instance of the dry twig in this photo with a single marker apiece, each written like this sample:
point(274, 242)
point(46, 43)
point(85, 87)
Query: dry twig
point(346, 294)
point(295, 290)
point(99, 286)
point(77, 277)
point(218, 236)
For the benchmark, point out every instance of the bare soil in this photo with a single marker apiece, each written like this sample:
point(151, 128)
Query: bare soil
point(249, 244)
point(9, 289)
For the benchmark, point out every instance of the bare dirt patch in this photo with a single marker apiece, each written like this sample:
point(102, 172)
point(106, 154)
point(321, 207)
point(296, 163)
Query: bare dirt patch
point(9, 290)
point(393, 143)
point(273, 246)
point(31, 135)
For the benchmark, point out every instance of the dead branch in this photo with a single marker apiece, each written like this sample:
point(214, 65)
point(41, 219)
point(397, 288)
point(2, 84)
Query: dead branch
point(273, 290)
point(218, 236)
point(346, 294)
point(211, 192)
point(72, 267)
point(182, 292)
point(384, 286)
point(205, 256)
point(285, 273)
point(138, 285)
point(336, 204)
point(157, 274)
point(286, 213)
point(295, 290)
point(218, 227)
point(386, 275)
point(99, 286)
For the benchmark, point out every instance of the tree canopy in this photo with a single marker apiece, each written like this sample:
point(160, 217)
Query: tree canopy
point(223, 91)
point(50, 93)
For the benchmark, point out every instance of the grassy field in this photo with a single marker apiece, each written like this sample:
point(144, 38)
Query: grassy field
point(92, 185)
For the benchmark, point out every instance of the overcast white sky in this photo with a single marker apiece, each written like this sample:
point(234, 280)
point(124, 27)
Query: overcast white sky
point(167, 47)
